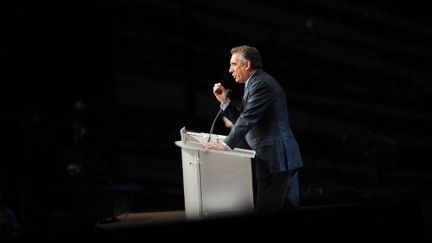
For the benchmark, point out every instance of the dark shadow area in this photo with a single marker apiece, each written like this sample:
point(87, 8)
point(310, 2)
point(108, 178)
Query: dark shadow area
point(391, 220)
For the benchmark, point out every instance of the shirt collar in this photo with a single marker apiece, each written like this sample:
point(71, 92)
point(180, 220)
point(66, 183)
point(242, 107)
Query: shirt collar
point(247, 81)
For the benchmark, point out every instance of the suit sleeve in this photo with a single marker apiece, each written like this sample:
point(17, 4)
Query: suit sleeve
point(231, 112)
point(258, 100)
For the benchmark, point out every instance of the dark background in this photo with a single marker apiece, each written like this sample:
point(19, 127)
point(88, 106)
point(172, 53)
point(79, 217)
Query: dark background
point(94, 95)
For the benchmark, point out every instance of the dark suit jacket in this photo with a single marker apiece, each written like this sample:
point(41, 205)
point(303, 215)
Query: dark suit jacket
point(263, 121)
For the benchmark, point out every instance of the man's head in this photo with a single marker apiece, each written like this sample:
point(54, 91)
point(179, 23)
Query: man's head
point(244, 61)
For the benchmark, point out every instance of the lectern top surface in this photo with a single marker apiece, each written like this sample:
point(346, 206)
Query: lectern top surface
point(236, 152)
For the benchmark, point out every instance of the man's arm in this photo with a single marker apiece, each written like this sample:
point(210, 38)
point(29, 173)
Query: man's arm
point(258, 100)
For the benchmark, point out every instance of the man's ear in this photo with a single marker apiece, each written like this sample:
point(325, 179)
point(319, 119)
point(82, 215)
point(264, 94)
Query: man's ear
point(248, 65)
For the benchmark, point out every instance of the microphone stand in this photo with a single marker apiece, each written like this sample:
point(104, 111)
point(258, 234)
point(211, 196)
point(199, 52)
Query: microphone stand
point(227, 94)
point(212, 126)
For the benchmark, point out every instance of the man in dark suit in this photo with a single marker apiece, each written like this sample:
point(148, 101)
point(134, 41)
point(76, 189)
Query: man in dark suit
point(262, 120)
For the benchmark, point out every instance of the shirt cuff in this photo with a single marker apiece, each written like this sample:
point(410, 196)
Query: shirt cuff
point(224, 105)
point(227, 147)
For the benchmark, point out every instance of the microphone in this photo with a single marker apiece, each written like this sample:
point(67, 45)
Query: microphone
point(227, 94)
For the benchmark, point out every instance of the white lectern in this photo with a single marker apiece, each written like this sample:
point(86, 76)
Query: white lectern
point(216, 183)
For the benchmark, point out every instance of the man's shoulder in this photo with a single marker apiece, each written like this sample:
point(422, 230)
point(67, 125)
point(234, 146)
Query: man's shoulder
point(263, 77)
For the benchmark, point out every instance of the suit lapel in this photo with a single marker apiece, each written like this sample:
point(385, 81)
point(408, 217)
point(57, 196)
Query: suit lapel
point(246, 89)
point(244, 99)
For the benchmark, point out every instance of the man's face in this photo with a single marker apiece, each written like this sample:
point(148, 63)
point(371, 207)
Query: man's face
point(239, 68)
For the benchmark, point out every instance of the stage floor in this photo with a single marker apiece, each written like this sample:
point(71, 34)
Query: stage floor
point(387, 221)
point(142, 219)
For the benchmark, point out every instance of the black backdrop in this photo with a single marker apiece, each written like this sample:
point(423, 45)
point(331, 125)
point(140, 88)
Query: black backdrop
point(95, 95)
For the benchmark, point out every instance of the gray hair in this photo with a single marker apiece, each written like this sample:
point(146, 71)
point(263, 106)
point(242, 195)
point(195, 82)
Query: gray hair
point(249, 53)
